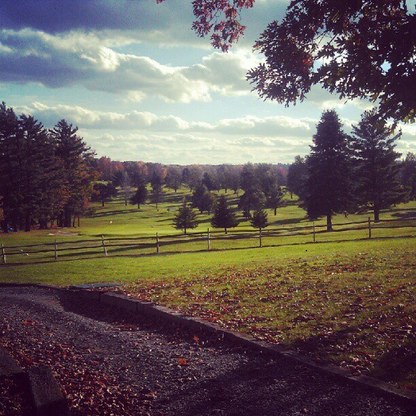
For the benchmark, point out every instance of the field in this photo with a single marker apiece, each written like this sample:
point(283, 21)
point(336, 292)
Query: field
point(345, 299)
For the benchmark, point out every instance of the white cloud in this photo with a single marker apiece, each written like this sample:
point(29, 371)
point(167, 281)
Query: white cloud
point(86, 60)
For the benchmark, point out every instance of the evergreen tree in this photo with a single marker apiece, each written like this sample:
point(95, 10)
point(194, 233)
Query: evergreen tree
point(139, 196)
point(274, 198)
point(223, 217)
point(329, 186)
point(185, 218)
point(156, 183)
point(76, 158)
point(259, 219)
point(11, 164)
point(252, 199)
point(378, 168)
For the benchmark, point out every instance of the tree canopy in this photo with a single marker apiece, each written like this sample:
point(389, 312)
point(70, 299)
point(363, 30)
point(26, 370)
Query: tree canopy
point(357, 49)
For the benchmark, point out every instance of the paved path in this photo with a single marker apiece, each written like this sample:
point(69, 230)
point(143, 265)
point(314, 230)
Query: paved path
point(108, 363)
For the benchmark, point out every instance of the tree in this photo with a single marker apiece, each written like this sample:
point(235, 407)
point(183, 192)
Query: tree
point(223, 216)
point(329, 186)
point(274, 198)
point(377, 164)
point(173, 178)
point(76, 159)
point(296, 177)
point(259, 219)
point(185, 218)
point(202, 199)
point(103, 192)
point(251, 199)
point(156, 183)
point(358, 49)
point(408, 175)
point(139, 197)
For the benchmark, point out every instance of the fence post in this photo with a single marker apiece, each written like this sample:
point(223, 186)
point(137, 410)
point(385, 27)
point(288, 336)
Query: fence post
point(3, 254)
point(209, 240)
point(369, 227)
point(314, 235)
point(157, 243)
point(260, 240)
point(104, 247)
point(56, 250)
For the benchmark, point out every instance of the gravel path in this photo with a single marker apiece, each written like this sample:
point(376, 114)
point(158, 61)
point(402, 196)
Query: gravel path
point(108, 362)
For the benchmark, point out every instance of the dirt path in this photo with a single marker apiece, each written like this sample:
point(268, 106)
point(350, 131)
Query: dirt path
point(109, 363)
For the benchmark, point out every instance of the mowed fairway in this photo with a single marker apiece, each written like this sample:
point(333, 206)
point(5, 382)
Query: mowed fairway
point(345, 299)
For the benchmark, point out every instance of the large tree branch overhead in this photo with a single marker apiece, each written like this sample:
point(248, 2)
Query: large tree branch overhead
point(356, 48)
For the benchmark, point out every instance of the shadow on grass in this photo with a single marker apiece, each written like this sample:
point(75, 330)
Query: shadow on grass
point(113, 213)
point(90, 256)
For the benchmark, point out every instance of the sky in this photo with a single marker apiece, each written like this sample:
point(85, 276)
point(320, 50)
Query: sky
point(140, 85)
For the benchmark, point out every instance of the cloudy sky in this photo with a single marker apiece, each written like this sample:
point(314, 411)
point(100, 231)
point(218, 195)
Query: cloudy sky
point(140, 85)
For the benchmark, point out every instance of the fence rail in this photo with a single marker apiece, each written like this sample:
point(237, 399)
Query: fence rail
point(199, 241)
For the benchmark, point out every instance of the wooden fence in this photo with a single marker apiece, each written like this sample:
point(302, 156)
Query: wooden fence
point(203, 241)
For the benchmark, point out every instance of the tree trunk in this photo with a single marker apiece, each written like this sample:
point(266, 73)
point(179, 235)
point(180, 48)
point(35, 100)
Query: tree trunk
point(275, 211)
point(376, 214)
point(102, 202)
point(329, 222)
point(226, 231)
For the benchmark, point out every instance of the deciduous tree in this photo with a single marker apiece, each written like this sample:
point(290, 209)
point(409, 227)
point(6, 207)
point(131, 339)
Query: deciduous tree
point(357, 49)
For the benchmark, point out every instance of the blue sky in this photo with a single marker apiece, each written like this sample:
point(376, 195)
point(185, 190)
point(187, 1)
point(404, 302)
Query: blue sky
point(140, 85)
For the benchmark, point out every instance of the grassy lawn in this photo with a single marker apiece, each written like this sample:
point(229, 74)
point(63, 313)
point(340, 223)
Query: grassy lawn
point(346, 299)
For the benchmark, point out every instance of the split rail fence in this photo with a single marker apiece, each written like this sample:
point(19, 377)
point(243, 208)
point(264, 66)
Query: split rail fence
point(203, 241)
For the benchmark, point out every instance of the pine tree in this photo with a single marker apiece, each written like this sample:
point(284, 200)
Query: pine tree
point(259, 219)
point(76, 159)
point(328, 187)
point(223, 217)
point(185, 218)
point(378, 168)
point(139, 196)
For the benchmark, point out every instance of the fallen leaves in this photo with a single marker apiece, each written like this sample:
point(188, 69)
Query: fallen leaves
point(351, 311)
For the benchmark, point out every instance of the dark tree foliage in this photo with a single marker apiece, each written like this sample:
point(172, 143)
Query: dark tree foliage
point(173, 178)
point(203, 199)
point(209, 182)
point(296, 177)
point(259, 219)
point(76, 158)
point(140, 196)
point(274, 198)
point(46, 175)
point(378, 168)
point(103, 192)
point(224, 216)
point(185, 218)
point(357, 49)
point(329, 185)
point(408, 175)
point(252, 199)
point(156, 183)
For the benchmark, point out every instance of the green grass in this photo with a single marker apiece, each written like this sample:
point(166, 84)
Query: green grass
point(345, 299)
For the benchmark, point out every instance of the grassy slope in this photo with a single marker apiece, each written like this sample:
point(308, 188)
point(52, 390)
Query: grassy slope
point(350, 302)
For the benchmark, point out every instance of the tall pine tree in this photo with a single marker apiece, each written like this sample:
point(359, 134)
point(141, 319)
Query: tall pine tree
point(223, 217)
point(378, 168)
point(329, 186)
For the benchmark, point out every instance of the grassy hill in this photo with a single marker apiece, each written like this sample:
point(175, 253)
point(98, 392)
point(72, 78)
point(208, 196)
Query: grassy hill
point(345, 299)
